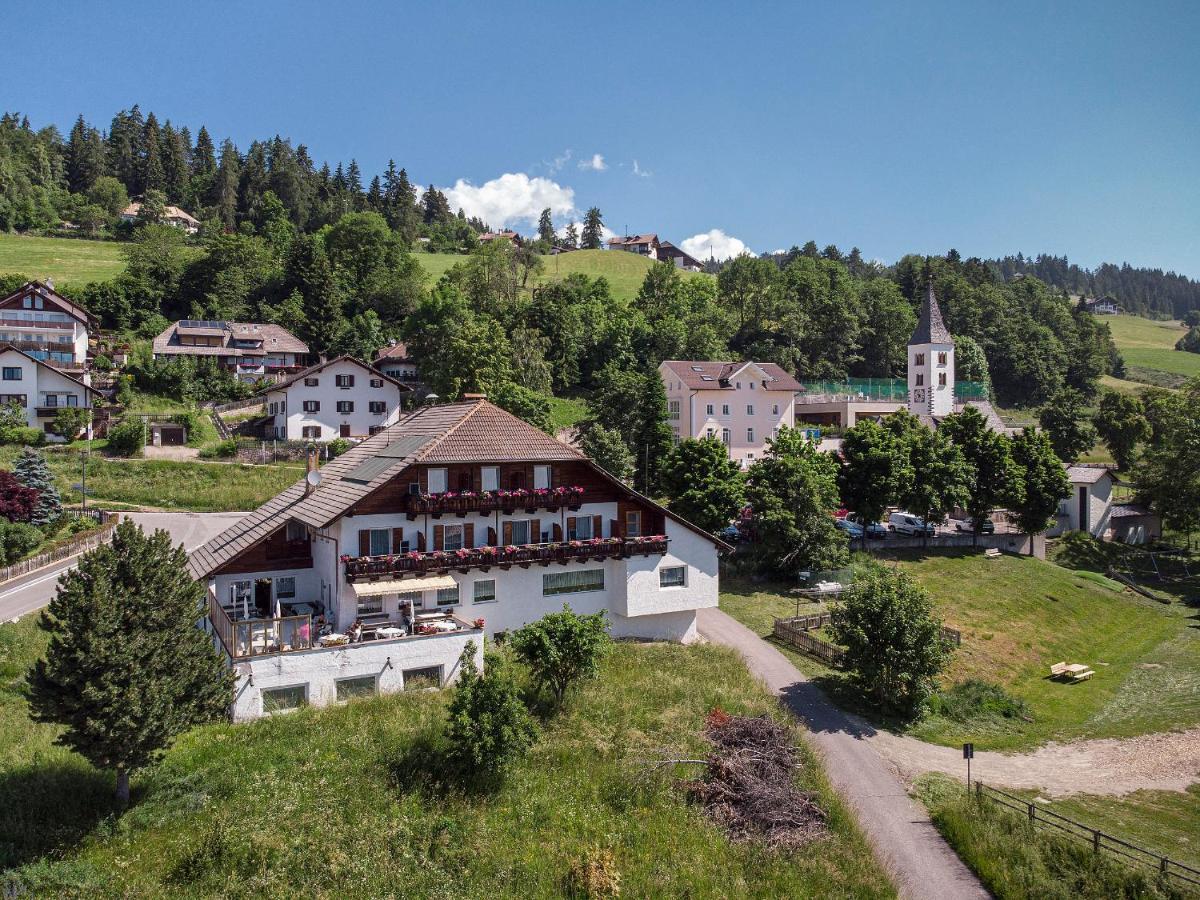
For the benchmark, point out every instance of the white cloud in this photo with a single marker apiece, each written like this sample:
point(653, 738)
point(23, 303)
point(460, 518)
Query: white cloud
point(639, 171)
point(511, 198)
point(714, 243)
point(558, 162)
point(595, 164)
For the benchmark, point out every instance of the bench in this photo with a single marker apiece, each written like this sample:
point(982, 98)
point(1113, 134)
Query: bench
point(992, 553)
point(1058, 669)
point(1076, 677)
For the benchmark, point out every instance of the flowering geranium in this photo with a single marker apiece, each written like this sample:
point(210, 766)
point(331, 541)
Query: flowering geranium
point(478, 623)
point(344, 558)
point(510, 549)
point(462, 552)
point(413, 554)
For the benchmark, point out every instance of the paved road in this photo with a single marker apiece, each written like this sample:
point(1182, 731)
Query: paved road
point(921, 863)
point(34, 590)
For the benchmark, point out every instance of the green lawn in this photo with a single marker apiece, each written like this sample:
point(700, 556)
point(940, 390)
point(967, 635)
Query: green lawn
point(567, 412)
point(65, 260)
point(1018, 616)
point(337, 802)
point(166, 484)
point(1018, 861)
point(1147, 344)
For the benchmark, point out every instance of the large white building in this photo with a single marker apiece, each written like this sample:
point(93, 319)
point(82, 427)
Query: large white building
point(339, 398)
point(740, 403)
point(47, 326)
point(456, 522)
point(41, 390)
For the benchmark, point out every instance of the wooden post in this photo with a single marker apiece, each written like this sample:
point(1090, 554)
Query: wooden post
point(1032, 813)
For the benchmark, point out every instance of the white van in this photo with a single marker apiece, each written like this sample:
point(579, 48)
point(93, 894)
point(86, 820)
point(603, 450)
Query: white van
point(907, 523)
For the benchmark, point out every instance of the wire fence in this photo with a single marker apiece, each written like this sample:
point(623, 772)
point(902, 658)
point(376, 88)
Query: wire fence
point(1132, 855)
point(879, 389)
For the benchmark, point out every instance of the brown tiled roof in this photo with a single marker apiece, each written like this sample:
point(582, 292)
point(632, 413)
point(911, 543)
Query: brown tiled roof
point(633, 239)
point(398, 350)
point(701, 375)
point(312, 370)
point(54, 296)
point(275, 339)
point(474, 432)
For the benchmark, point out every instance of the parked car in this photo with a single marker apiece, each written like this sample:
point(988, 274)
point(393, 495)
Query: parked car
point(968, 524)
point(851, 528)
point(908, 524)
point(874, 529)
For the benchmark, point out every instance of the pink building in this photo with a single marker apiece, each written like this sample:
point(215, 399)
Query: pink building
point(740, 403)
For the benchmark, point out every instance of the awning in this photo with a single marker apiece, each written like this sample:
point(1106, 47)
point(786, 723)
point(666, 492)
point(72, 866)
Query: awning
point(428, 583)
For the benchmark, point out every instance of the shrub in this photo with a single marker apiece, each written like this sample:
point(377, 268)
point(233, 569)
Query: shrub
point(226, 449)
point(338, 446)
point(127, 438)
point(30, 437)
point(489, 725)
point(562, 648)
point(17, 540)
point(976, 699)
point(595, 875)
point(17, 502)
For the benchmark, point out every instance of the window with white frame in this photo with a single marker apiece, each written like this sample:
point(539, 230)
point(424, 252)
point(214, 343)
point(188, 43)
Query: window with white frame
point(520, 531)
point(541, 477)
point(437, 481)
point(749, 409)
point(376, 382)
point(485, 591)
point(724, 409)
point(672, 576)
point(376, 407)
point(312, 382)
point(241, 597)
point(633, 523)
point(344, 381)
point(750, 435)
point(726, 436)
point(673, 410)
point(370, 606)
point(312, 405)
point(708, 409)
point(295, 531)
point(489, 478)
point(447, 596)
point(285, 587)
point(572, 582)
point(579, 528)
point(452, 537)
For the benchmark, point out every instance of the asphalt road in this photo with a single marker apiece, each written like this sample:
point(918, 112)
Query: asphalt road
point(33, 591)
point(905, 840)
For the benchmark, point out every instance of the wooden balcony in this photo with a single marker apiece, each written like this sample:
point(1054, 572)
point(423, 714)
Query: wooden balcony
point(487, 502)
point(444, 561)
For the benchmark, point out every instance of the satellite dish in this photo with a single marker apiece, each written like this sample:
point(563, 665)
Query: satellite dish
point(313, 478)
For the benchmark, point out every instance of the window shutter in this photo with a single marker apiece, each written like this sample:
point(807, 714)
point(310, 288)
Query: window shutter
point(535, 531)
point(507, 533)
point(571, 533)
point(491, 536)
point(598, 527)
point(614, 528)
point(364, 542)
point(397, 539)
point(469, 535)
point(421, 540)
point(557, 533)
point(439, 537)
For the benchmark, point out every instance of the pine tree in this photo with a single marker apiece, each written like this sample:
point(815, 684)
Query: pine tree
point(224, 193)
point(31, 470)
point(153, 176)
point(309, 272)
point(204, 156)
point(354, 181)
point(84, 166)
point(175, 164)
point(546, 227)
point(571, 239)
point(593, 230)
point(126, 669)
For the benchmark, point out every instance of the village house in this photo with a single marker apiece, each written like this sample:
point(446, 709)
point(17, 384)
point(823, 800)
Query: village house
point(681, 258)
point(643, 244)
point(41, 390)
point(741, 403)
point(394, 361)
point(251, 350)
point(488, 236)
point(341, 398)
point(458, 521)
point(47, 326)
point(172, 215)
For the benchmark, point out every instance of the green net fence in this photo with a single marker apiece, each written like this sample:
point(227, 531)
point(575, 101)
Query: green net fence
point(882, 389)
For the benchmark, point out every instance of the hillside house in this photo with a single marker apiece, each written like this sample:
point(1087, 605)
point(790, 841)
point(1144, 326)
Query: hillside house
point(1105, 306)
point(251, 350)
point(172, 215)
point(456, 522)
point(642, 244)
point(394, 361)
point(1090, 505)
point(47, 326)
point(681, 258)
point(741, 403)
point(341, 398)
point(488, 236)
point(40, 389)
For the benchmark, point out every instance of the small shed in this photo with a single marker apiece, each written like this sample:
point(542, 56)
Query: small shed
point(1132, 523)
point(167, 434)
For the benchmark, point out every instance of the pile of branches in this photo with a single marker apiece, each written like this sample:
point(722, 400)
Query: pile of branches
point(748, 784)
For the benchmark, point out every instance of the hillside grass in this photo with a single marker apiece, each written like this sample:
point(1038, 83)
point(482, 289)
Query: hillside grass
point(567, 412)
point(1016, 860)
point(338, 802)
point(1148, 344)
point(1018, 616)
point(65, 260)
point(165, 484)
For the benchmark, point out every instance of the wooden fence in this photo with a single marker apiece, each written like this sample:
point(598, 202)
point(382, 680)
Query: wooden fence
point(64, 551)
point(795, 633)
point(1167, 869)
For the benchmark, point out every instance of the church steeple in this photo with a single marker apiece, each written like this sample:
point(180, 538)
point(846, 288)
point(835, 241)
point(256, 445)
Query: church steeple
point(931, 362)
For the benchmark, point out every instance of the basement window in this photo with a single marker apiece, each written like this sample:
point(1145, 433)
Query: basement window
point(284, 699)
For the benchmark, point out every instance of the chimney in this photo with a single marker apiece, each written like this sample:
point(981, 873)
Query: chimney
point(312, 475)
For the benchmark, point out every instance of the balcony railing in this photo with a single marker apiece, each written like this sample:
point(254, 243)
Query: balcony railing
point(463, 502)
point(525, 555)
point(13, 322)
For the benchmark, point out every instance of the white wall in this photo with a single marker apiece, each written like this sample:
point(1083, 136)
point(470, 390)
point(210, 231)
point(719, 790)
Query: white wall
point(291, 420)
point(938, 400)
point(307, 584)
point(35, 382)
point(320, 669)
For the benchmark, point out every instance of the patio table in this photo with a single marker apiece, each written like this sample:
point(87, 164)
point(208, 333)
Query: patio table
point(389, 631)
point(333, 640)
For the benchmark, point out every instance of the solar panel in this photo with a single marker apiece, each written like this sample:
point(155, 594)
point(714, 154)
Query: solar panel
point(201, 323)
point(370, 469)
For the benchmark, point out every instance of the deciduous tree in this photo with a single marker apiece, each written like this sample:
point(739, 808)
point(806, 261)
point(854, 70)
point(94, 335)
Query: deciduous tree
point(1044, 482)
point(1071, 435)
point(1121, 423)
point(489, 727)
point(562, 649)
point(994, 479)
point(703, 484)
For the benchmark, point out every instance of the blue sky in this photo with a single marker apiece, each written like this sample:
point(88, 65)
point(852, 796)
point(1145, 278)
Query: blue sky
point(989, 127)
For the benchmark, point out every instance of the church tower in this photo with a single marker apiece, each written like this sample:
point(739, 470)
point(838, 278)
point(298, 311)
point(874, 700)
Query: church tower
point(931, 363)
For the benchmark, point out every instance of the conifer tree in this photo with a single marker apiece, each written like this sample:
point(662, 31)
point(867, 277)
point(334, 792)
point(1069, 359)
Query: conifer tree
point(31, 470)
point(546, 227)
point(153, 177)
point(127, 669)
point(224, 192)
point(593, 230)
point(571, 239)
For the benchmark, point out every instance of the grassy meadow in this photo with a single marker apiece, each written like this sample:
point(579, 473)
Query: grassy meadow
point(66, 260)
point(339, 802)
point(1150, 345)
point(1018, 616)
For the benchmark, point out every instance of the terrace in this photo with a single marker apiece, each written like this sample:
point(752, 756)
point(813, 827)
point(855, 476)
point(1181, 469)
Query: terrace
point(485, 502)
point(464, 559)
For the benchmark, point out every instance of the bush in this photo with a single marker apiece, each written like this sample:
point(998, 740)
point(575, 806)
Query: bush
point(226, 449)
point(127, 438)
point(489, 725)
point(595, 875)
point(17, 540)
point(30, 437)
point(562, 648)
point(337, 447)
point(975, 699)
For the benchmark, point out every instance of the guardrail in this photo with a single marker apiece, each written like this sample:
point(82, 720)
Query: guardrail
point(64, 551)
point(1132, 855)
